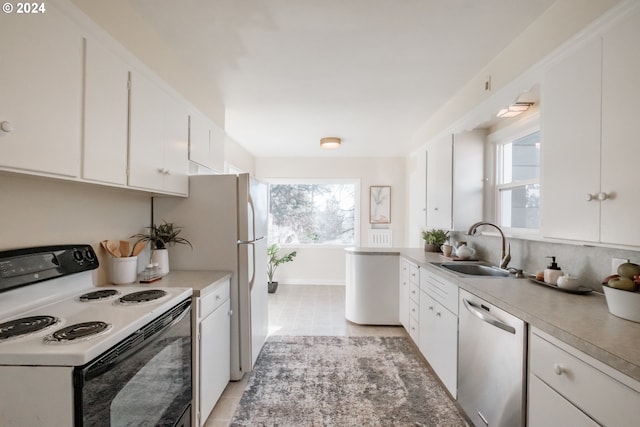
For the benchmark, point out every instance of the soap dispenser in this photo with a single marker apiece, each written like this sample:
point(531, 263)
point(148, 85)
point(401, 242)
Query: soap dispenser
point(552, 272)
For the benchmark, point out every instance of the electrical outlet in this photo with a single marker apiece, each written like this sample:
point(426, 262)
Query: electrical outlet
point(615, 262)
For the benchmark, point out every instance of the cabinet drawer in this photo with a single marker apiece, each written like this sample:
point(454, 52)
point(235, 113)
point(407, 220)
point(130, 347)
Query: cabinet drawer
point(414, 331)
point(547, 408)
point(208, 303)
point(414, 272)
point(414, 292)
point(414, 309)
point(602, 397)
point(440, 289)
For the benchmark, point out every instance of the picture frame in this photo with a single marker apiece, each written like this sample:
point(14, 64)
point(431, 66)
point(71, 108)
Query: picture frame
point(380, 204)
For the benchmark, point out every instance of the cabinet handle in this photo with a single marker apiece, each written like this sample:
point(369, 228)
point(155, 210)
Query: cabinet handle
point(438, 314)
point(431, 308)
point(230, 313)
point(161, 170)
point(589, 197)
point(602, 196)
point(558, 369)
point(6, 126)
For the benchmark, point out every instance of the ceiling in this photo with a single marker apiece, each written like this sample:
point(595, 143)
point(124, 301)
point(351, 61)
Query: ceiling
point(368, 71)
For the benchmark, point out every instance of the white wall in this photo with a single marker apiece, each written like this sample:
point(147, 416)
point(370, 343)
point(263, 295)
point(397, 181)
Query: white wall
point(327, 265)
point(37, 211)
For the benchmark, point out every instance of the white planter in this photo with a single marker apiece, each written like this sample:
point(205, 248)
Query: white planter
point(161, 257)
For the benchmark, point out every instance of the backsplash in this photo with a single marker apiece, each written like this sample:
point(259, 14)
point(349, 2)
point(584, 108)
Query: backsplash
point(39, 211)
point(589, 263)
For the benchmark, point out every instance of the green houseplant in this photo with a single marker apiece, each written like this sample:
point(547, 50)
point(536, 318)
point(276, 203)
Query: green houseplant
point(273, 262)
point(434, 238)
point(161, 236)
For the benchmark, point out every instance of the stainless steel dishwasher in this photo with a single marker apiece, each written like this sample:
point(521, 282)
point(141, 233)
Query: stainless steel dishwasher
point(491, 364)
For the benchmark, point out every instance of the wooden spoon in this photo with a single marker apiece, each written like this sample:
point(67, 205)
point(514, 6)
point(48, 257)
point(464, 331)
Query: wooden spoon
point(124, 248)
point(137, 248)
point(111, 248)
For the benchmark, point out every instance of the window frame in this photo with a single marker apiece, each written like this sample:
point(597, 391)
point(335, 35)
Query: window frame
point(521, 128)
point(292, 181)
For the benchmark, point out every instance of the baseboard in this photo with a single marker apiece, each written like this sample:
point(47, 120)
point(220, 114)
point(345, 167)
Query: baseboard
point(323, 282)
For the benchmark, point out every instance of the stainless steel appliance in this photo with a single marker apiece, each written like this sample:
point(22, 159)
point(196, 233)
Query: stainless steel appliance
point(225, 219)
point(491, 364)
point(72, 354)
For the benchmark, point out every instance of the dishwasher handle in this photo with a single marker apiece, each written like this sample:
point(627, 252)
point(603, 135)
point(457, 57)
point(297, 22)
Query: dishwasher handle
point(487, 317)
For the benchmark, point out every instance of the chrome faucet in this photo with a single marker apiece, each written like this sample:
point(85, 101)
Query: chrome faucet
point(505, 256)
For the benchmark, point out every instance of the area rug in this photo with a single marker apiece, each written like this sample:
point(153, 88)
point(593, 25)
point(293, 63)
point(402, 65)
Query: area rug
point(343, 381)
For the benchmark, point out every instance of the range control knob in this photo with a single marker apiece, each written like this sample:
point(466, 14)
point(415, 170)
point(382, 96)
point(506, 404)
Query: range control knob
point(89, 254)
point(77, 255)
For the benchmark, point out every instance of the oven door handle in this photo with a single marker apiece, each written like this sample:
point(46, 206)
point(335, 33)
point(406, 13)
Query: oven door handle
point(126, 348)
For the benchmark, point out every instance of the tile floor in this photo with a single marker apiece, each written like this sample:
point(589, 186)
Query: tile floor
point(300, 310)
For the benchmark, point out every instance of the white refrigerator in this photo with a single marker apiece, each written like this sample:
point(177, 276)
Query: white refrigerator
point(225, 219)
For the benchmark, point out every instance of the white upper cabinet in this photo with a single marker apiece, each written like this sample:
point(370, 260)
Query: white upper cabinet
point(417, 178)
point(621, 132)
point(570, 171)
point(206, 142)
point(106, 112)
point(440, 183)
point(590, 144)
point(454, 181)
point(158, 138)
point(40, 93)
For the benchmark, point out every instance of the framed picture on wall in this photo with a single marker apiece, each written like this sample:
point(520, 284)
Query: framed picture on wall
point(380, 204)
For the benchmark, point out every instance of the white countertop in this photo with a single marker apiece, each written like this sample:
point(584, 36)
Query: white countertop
point(582, 321)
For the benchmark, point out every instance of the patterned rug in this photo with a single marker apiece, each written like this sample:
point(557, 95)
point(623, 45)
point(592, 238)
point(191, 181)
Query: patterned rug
point(343, 381)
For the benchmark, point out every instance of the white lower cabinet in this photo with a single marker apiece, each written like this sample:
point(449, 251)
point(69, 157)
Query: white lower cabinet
point(438, 327)
point(212, 355)
point(408, 274)
point(569, 388)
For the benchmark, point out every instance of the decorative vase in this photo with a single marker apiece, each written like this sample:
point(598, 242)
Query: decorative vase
point(431, 248)
point(272, 287)
point(161, 257)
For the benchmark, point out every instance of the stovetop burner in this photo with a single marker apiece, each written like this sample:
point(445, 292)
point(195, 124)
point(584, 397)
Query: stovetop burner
point(98, 295)
point(78, 332)
point(26, 325)
point(142, 296)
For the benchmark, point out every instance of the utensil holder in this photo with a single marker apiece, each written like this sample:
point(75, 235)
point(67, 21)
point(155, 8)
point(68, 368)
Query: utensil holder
point(123, 270)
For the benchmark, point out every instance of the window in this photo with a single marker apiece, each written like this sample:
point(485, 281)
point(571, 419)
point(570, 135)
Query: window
point(313, 212)
point(518, 180)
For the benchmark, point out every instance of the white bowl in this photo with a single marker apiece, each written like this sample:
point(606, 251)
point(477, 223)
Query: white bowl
point(623, 304)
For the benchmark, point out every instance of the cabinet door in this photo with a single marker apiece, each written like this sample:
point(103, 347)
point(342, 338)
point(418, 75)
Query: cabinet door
point(199, 139)
point(403, 297)
point(547, 408)
point(427, 332)
point(446, 359)
point(41, 93)
point(620, 130)
point(106, 98)
point(215, 358)
point(417, 172)
point(570, 168)
point(440, 184)
point(158, 138)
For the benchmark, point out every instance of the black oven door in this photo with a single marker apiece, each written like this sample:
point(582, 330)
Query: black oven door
point(143, 381)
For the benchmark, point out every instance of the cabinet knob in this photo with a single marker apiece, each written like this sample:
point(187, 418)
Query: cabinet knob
point(559, 370)
point(230, 313)
point(431, 308)
point(161, 170)
point(602, 196)
point(438, 314)
point(6, 126)
point(218, 297)
point(589, 197)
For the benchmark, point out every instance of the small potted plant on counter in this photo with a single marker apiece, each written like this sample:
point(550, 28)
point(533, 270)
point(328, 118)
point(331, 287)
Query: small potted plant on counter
point(434, 239)
point(273, 262)
point(160, 237)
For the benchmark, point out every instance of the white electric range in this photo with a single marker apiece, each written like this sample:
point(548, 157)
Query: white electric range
point(90, 349)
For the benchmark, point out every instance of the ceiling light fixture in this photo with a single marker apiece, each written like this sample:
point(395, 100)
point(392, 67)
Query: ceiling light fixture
point(330, 142)
point(514, 109)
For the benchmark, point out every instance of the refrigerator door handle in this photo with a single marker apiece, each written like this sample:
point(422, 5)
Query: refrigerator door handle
point(253, 256)
point(253, 216)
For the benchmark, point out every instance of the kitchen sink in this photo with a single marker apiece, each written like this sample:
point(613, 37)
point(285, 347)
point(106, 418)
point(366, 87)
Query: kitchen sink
point(474, 269)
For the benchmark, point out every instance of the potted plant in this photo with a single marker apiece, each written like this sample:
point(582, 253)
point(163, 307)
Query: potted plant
point(273, 262)
point(434, 238)
point(160, 237)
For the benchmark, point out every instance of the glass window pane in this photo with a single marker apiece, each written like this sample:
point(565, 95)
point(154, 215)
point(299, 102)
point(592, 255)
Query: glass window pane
point(322, 214)
point(521, 159)
point(520, 207)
